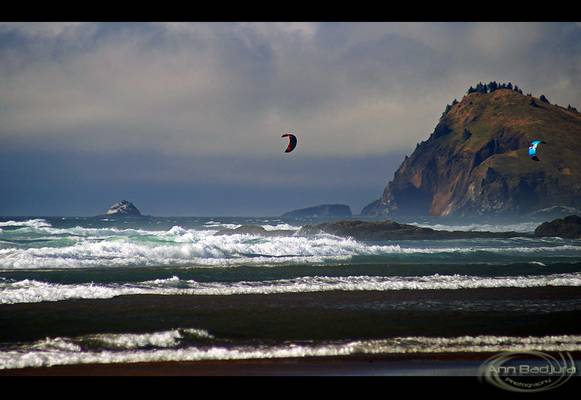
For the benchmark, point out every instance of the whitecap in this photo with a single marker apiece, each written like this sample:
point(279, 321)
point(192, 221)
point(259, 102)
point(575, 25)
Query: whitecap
point(524, 227)
point(64, 351)
point(32, 291)
point(127, 341)
point(32, 223)
point(538, 263)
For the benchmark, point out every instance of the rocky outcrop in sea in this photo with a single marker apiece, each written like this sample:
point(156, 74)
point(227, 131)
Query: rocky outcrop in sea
point(568, 228)
point(123, 208)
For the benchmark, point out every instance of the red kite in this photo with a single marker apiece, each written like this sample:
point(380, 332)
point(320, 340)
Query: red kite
point(292, 142)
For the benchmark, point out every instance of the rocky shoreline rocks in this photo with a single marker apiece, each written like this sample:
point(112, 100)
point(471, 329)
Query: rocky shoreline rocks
point(569, 227)
point(391, 230)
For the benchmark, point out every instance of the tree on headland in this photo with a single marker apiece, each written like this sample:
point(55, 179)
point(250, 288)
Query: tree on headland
point(492, 86)
point(449, 107)
point(446, 110)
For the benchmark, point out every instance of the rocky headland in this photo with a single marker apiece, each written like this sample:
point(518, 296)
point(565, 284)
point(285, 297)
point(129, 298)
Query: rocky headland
point(476, 162)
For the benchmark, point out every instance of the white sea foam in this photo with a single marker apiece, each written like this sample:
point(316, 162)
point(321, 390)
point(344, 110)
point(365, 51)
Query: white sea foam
point(140, 340)
point(281, 227)
point(199, 249)
point(182, 247)
point(109, 247)
point(77, 231)
point(268, 227)
point(65, 351)
point(525, 227)
point(213, 224)
point(33, 223)
point(538, 263)
point(31, 291)
point(39, 227)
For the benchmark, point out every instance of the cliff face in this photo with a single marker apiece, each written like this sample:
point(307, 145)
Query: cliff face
point(476, 161)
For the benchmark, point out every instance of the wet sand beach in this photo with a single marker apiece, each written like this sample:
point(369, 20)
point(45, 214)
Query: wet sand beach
point(434, 365)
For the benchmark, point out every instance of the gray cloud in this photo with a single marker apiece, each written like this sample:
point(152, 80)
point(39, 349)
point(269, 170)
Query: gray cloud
point(219, 95)
point(224, 88)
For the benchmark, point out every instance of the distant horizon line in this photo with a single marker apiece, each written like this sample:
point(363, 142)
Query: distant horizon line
point(157, 216)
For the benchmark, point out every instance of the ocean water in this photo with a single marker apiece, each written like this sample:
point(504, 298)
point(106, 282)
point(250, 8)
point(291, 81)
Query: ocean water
point(96, 290)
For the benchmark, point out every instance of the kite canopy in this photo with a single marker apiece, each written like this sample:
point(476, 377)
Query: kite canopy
point(292, 143)
point(533, 149)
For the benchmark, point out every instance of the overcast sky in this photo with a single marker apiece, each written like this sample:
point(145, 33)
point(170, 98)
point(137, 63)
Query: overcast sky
point(186, 118)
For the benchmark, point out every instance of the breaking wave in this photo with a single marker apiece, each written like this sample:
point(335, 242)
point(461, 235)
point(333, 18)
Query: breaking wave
point(32, 291)
point(174, 346)
point(524, 227)
point(32, 223)
point(35, 244)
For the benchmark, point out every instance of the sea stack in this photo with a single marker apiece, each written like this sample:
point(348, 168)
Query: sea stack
point(123, 208)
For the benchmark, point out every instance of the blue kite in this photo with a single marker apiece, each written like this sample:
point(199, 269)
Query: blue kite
point(533, 149)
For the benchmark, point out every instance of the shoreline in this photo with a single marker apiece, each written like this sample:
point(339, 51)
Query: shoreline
point(417, 364)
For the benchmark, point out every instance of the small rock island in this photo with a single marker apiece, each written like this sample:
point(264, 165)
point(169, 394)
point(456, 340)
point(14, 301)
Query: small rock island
point(123, 208)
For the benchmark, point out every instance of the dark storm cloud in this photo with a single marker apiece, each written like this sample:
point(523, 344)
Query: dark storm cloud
point(202, 105)
point(226, 88)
